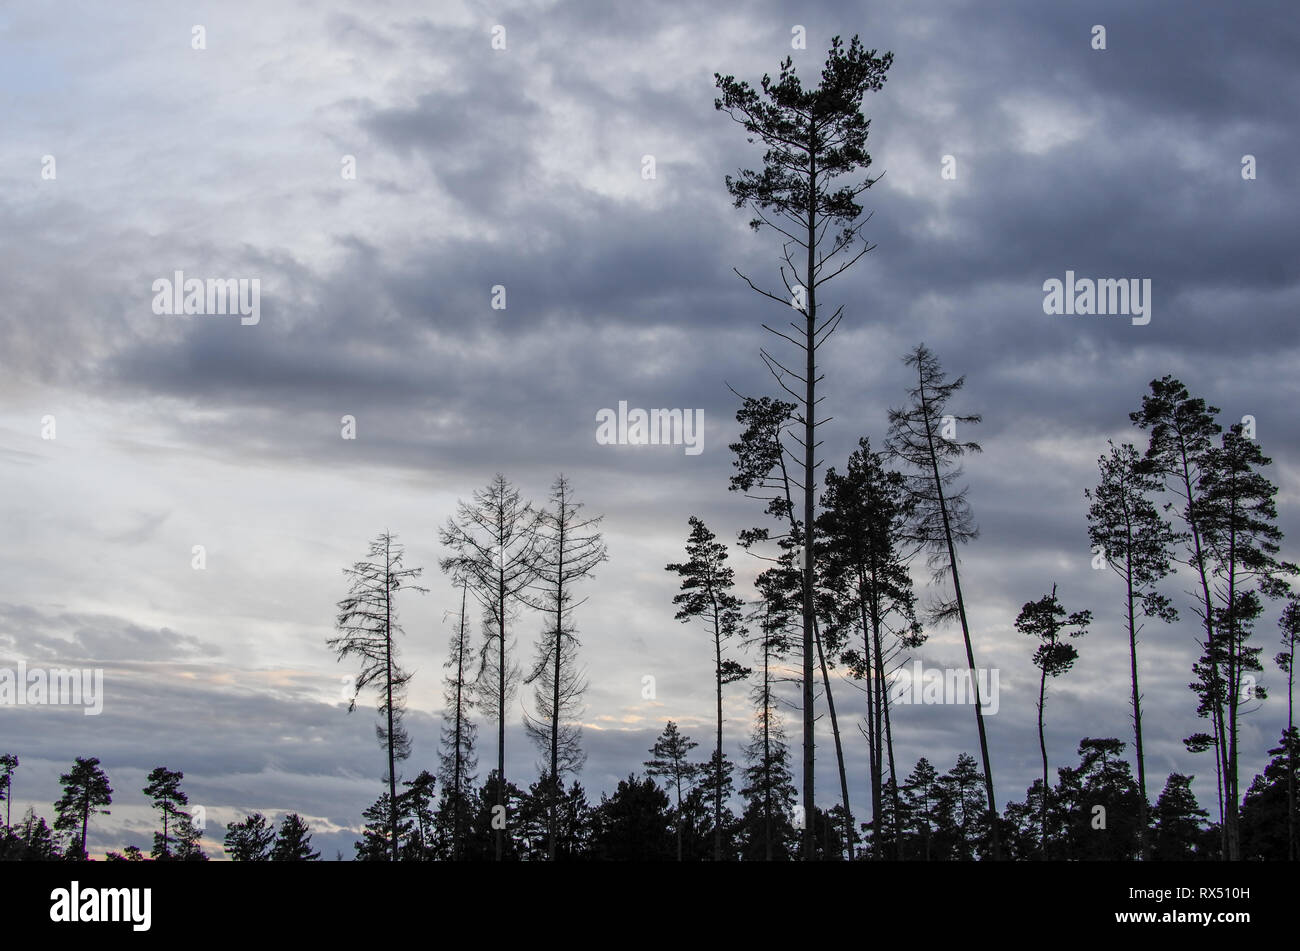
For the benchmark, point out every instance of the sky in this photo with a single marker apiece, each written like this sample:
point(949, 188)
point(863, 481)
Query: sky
point(523, 168)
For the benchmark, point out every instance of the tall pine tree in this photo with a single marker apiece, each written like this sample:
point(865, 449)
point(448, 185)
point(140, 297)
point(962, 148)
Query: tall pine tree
point(923, 436)
point(1046, 621)
point(1132, 537)
point(706, 594)
point(815, 142)
point(85, 792)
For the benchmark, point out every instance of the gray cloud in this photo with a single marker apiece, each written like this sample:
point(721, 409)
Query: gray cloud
point(523, 168)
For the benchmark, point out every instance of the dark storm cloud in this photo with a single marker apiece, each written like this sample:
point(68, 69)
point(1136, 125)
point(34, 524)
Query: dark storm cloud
point(608, 264)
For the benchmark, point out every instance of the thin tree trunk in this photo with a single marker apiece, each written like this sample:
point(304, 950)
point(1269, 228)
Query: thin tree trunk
point(965, 632)
point(877, 684)
point(1234, 689)
point(928, 830)
point(501, 686)
point(1042, 746)
point(889, 746)
point(1218, 785)
point(458, 771)
point(810, 463)
point(388, 684)
point(867, 619)
point(1207, 599)
point(893, 791)
point(678, 776)
point(717, 786)
point(1289, 746)
point(1144, 833)
point(555, 687)
point(767, 757)
point(839, 750)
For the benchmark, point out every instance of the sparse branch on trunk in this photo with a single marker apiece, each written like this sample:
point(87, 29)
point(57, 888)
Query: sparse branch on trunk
point(812, 138)
point(919, 437)
point(367, 627)
point(495, 548)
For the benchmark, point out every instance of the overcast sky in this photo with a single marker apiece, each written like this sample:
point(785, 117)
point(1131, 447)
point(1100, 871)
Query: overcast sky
point(522, 167)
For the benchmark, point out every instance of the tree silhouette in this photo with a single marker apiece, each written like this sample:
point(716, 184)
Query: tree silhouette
point(863, 525)
point(923, 436)
point(34, 841)
point(367, 627)
point(293, 842)
point(495, 549)
point(385, 828)
point(250, 840)
point(570, 547)
point(165, 790)
point(769, 789)
point(416, 804)
point(1136, 542)
point(964, 819)
point(706, 594)
point(1285, 660)
point(634, 823)
point(718, 826)
point(189, 836)
point(1046, 621)
point(671, 754)
point(1098, 803)
point(1238, 514)
point(1178, 820)
point(489, 828)
point(1264, 807)
point(1181, 434)
point(921, 795)
point(813, 139)
point(85, 792)
point(572, 822)
point(8, 763)
point(129, 854)
point(763, 463)
point(457, 758)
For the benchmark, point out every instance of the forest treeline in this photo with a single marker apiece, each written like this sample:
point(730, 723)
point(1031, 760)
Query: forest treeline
point(87, 793)
point(1189, 509)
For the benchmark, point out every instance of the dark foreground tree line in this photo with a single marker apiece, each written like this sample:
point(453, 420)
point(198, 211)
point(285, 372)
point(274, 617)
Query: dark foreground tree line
point(940, 818)
point(86, 793)
point(667, 812)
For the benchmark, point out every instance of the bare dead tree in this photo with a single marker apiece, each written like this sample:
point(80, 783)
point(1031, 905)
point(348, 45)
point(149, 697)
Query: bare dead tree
point(367, 625)
point(494, 544)
point(570, 548)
